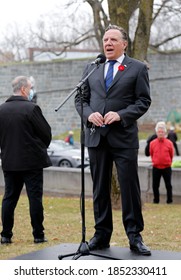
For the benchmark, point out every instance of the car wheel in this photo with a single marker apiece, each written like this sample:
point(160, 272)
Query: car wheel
point(65, 163)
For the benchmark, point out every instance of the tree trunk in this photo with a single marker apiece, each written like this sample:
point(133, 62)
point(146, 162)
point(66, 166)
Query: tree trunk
point(100, 20)
point(142, 35)
point(120, 12)
point(115, 190)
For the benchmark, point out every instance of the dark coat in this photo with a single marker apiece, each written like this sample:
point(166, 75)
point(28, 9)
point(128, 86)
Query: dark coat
point(24, 135)
point(129, 96)
point(147, 147)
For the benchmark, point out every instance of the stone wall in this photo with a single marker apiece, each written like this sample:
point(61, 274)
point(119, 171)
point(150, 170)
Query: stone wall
point(67, 182)
point(56, 81)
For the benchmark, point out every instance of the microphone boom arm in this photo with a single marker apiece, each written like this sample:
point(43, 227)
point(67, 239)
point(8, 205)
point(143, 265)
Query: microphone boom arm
point(78, 86)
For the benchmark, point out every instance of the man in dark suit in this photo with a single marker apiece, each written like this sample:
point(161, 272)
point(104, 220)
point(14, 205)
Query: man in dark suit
point(111, 134)
point(24, 138)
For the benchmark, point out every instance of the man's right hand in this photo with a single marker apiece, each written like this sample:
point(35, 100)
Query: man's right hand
point(96, 118)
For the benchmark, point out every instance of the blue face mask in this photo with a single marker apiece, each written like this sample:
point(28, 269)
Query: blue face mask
point(31, 94)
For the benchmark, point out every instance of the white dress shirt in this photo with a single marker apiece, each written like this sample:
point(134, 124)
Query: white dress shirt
point(116, 65)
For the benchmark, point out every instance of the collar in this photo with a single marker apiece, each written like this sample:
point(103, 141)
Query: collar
point(119, 59)
point(16, 97)
point(161, 139)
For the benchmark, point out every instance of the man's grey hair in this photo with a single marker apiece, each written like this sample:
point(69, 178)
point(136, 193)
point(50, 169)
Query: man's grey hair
point(121, 29)
point(19, 82)
point(161, 125)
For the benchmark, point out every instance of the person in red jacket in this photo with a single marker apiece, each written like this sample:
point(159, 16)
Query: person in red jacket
point(161, 152)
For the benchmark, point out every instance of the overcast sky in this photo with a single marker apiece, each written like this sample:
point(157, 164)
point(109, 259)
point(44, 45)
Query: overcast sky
point(23, 11)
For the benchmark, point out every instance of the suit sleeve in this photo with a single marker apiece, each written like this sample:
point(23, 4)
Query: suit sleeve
point(142, 99)
point(85, 99)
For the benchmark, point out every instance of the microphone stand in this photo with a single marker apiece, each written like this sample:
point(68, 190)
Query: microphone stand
point(83, 249)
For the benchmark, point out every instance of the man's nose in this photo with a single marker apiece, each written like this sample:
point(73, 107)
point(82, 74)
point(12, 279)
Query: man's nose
point(109, 42)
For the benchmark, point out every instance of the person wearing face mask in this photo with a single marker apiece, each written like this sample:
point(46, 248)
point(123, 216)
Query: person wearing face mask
point(33, 95)
point(24, 138)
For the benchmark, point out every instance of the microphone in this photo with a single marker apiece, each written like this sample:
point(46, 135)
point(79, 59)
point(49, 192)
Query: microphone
point(100, 59)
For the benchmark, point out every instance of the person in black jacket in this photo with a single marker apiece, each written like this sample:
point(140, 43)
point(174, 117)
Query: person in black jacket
point(147, 147)
point(24, 138)
point(172, 136)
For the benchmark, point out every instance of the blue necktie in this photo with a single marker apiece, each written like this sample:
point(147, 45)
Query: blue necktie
point(109, 75)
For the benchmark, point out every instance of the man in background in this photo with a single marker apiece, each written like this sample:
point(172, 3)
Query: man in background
point(24, 137)
point(161, 152)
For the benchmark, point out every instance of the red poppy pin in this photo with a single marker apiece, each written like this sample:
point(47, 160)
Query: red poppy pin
point(121, 67)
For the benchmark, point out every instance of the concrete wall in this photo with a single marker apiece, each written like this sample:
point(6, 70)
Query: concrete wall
point(67, 182)
point(145, 175)
point(56, 81)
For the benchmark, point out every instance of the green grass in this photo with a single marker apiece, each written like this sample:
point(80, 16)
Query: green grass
point(63, 135)
point(63, 225)
point(141, 134)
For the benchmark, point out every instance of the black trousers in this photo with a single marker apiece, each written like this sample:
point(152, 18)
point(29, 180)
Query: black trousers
point(101, 162)
point(176, 148)
point(157, 173)
point(14, 181)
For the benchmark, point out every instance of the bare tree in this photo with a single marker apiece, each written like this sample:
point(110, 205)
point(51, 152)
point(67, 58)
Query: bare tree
point(84, 28)
point(166, 36)
point(16, 43)
point(100, 20)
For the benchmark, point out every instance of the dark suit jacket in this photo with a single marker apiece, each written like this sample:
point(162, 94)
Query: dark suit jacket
point(24, 135)
point(129, 96)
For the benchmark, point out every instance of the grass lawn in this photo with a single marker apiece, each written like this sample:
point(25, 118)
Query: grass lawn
point(63, 225)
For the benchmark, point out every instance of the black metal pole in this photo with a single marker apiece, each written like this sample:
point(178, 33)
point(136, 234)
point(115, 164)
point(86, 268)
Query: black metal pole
point(82, 169)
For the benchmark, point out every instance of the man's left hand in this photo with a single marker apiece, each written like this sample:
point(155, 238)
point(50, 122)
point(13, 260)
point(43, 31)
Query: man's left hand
point(111, 117)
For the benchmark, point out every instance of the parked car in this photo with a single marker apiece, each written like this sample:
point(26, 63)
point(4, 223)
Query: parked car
point(64, 155)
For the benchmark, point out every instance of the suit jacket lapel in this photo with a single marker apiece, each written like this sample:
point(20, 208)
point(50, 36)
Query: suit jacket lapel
point(126, 62)
point(101, 74)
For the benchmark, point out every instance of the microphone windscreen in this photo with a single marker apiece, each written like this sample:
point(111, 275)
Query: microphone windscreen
point(102, 58)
